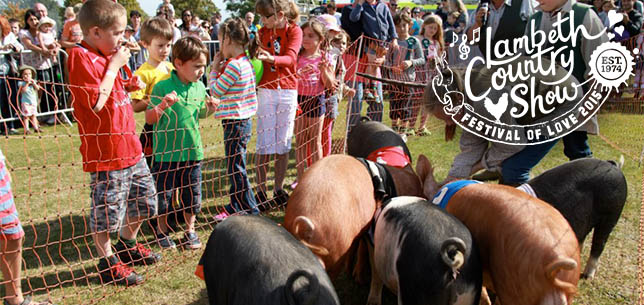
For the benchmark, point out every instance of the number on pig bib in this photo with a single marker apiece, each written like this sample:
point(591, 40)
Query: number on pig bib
point(439, 197)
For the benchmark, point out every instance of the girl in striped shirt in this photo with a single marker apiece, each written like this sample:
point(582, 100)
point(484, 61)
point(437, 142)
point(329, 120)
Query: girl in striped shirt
point(234, 83)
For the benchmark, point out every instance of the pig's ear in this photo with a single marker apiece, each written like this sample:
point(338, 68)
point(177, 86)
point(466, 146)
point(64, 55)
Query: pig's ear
point(425, 171)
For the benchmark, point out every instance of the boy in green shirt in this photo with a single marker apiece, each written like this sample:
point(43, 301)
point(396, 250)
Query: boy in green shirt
point(176, 104)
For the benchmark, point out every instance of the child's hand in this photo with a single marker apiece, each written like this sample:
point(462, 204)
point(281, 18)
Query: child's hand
point(264, 55)
point(119, 58)
point(394, 44)
point(306, 70)
point(134, 84)
point(350, 93)
point(212, 103)
point(216, 63)
point(405, 65)
point(169, 99)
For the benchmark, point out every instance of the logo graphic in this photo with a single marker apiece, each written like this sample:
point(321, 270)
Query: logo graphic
point(535, 88)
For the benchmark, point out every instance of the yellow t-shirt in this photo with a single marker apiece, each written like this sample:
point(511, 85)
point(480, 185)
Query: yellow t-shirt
point(150, 76)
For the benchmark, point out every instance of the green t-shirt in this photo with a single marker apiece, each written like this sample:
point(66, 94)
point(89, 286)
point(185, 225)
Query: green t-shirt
point(176, 134)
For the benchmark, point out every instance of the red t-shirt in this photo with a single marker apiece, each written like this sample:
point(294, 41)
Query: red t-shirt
point(108, 138)
point(283, 44)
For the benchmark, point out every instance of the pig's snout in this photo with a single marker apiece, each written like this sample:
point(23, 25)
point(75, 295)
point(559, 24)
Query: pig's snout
point(302, 294)
point(453, 254)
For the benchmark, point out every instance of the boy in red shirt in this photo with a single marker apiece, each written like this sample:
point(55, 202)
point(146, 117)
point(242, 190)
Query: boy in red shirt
point(120, 179)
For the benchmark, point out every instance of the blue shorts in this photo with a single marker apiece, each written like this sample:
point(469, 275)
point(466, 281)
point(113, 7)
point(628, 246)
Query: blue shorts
point(312, 106)
point(184, 176)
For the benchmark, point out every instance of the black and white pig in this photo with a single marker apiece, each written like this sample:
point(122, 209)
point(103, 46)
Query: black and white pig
point(590, 194)
point(424, 255)
point(250, 260)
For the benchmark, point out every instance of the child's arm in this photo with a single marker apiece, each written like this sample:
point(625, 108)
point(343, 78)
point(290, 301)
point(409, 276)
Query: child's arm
point(219, 84)
point(326, 74)
point(292, 46)
point(153, 114)
point(419, 58)
point(210, 107)
point(118, 60)
point(23, 87)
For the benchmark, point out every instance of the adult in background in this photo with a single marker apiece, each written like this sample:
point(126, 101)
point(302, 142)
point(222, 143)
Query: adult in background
point(597, 6)
point(41, 60)
point(252, 27)
point(168, 13)
point(416, 13)
point(332, 10)
point(213, 48)
point(442, 11)
point(137, 59)
point(8, 97)
point(637, 5)
point(632, 18)
point(506, 18)
point(393, 6)
point(453, 55)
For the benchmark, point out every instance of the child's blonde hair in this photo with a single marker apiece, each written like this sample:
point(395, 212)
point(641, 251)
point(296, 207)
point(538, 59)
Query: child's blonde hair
point(69, 13)
point(288, 7)
point(341, 35)
point(434, 19)
point(318, 29)
point(237, 30)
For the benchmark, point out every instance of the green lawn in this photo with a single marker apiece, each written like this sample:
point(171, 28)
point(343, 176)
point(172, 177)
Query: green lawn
point(52, 195)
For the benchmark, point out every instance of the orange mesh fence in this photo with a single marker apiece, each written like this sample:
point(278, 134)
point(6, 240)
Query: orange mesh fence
point(54, 196)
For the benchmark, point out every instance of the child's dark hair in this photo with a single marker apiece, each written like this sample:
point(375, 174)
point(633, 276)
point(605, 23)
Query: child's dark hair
point(288, 7)
point(402, 17)
point(236, 30)
point(188, 48)
point(156, 28)
point(100, 13)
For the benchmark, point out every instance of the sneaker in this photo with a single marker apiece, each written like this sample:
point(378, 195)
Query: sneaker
point(139, 254)
point(369, 95)
point(221, 216)
point(293, 185)
point(165, 241)
point(262, 201)
point(191, 241)
point(423, 132)
point(410, 132)
point(280, 197)
point(487, 175)
point(115, 271)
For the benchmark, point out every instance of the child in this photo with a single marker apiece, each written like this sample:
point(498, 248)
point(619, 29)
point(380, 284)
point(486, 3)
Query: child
point(234, 84)
point(339, 44)
point(47, 37)
point(280, 39)
point(403, 64)
point(11, 238)
point(70, 15)
point(130, 41)
point(72, 32)
point(431, 39)
point(175, 107)
point(314, 72)
point(110, 149)
point(28, 90)
point(453, 25)
point(156, 37)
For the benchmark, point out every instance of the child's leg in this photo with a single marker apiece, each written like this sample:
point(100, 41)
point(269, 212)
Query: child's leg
point(261, 167)
point(164, 178)
point(327, 139)
point(236, 136)
point(190, 172)
point(314, 135)
point(301, 145)
point(28, 119)
point(34, 122)
point(10, 264)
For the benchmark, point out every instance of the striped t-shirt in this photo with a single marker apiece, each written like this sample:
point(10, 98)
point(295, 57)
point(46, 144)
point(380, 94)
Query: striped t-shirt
point(235, 87)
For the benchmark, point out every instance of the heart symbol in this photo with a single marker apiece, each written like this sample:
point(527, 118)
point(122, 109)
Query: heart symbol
point(611, 35)
point(498, 109)
point(619, 30)
point(614, 18)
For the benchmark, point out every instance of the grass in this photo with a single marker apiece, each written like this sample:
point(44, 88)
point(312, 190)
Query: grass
point(52, 196)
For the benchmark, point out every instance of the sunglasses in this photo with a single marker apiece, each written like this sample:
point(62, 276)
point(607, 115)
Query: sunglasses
point(269, 16)
point(187, 15)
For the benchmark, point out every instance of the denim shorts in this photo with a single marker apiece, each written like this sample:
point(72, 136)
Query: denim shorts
point(184, 176)
point(312, 106)
point(116, 192)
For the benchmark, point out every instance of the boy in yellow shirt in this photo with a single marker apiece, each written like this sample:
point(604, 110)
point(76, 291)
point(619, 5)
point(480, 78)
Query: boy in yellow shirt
point(156, 37)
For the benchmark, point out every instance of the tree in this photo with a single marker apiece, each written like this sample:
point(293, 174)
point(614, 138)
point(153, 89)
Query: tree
point(52, 6)
point(129, 5)
point(14, 11)
point(239, 9)
point(202, 8)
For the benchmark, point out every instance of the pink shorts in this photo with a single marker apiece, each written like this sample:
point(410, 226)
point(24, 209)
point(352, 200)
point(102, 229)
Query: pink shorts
point(28, 109)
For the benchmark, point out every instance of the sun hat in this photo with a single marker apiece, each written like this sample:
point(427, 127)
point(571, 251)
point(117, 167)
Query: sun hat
point(46, 20)
point(329, 22)
point(27, 67)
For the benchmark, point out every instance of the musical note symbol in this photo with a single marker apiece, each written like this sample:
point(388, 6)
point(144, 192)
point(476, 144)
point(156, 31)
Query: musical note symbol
point(454, 40)
point(476, 36)
point(463, 48)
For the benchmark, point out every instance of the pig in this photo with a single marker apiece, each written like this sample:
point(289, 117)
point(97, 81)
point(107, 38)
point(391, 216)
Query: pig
point(424, 255)
point(368, 137)
point(590, 194)
point(530, 253)
point(250, 260)
point(334, 205)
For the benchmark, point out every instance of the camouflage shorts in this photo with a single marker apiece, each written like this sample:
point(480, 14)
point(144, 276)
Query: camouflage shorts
point(114, 193)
